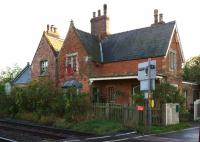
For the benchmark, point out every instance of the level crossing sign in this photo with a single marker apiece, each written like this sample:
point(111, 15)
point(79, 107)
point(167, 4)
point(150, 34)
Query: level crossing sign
point(147, 75)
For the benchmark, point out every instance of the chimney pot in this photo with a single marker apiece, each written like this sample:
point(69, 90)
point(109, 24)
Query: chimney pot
point(155, 16)
point(55, 29)
point(47, 27)
point(94, 14)
point(160, 18)
point(105, 9)
point(52, 28)
point(99, 12)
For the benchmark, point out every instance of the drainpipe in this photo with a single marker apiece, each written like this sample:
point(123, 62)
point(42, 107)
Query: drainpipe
point(101, 52)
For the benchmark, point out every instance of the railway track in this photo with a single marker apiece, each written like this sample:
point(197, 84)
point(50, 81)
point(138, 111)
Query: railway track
point(39, 130)
point(2, 139)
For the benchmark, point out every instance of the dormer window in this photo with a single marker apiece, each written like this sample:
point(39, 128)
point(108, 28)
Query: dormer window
point(43, 67)
point(172, 60)
point(71, 63)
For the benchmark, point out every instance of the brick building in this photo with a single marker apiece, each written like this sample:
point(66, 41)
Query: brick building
point(44, 63)
point(106, 64)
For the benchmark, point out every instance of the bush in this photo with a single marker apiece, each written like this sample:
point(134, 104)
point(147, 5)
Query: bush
point(47, 120)
point(166, 93)
point(78, 108)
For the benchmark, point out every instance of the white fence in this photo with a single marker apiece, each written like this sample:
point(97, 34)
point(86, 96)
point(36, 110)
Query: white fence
point(197, 109)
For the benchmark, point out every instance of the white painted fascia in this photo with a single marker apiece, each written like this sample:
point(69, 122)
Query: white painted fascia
point(178, 38)
point(117, 78)
point(190, 83)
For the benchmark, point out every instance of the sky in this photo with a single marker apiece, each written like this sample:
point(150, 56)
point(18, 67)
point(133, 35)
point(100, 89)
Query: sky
point(22, 22)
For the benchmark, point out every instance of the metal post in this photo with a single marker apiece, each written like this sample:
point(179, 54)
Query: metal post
point(149, 93)
point(199, 134)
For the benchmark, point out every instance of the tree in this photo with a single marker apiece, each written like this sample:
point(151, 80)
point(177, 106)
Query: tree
point(191, 70)
point(166, 93)
point(8, 75)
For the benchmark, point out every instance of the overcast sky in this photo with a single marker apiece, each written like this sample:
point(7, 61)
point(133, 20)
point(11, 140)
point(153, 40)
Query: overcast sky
point(22, 22)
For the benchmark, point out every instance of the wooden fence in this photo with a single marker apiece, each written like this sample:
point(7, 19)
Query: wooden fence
point(125, 114)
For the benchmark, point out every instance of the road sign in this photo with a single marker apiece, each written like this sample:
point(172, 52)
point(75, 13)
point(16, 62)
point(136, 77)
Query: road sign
point(143, 70)
point(144, 85)
point(140, 108)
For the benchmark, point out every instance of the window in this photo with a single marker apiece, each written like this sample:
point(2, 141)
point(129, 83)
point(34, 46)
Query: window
point(43, 67)
point(111, 94)
point(71, 63)
point(172, 60)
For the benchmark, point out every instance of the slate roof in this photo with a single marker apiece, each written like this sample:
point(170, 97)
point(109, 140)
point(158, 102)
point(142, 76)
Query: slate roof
point(23, 77)
point(135, 44)
point(91, 44)
point(56, 43)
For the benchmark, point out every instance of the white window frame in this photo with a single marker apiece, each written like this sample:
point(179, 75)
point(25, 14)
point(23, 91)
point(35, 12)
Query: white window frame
point(172, 60)
point(44, 67)
point(71, 62)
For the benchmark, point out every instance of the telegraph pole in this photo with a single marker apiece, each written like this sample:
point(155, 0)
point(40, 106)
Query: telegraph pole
point(149, 117)
point(147, 76)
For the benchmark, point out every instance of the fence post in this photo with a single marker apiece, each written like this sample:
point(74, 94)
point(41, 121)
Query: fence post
point(125, 113)
point(107, 110)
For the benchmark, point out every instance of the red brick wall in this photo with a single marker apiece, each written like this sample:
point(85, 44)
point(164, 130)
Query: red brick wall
point(71, 45)
point(124, 67)
point(175, 76)
point(44, 52)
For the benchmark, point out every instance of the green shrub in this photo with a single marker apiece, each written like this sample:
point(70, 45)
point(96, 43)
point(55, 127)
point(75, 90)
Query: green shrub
point(78, 108)
point(27, 116)
point(47, 120)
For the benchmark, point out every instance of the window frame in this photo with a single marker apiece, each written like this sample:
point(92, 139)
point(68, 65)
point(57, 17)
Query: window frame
point(44, 67)
point(172, 60)
point(72, 57)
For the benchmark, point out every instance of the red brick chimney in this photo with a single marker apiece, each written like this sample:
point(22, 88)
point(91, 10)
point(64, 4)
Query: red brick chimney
point(100, 24)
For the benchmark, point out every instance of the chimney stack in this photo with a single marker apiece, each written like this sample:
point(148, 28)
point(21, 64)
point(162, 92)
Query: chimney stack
point(156, 16)
point(52, 31)
point(100, 24)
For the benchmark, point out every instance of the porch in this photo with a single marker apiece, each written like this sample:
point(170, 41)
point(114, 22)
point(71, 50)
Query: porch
point(118, 90)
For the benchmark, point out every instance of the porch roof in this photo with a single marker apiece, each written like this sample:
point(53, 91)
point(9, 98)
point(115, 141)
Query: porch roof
point(117, 78)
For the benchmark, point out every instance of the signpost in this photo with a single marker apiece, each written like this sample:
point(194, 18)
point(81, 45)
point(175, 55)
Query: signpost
point(147, 76)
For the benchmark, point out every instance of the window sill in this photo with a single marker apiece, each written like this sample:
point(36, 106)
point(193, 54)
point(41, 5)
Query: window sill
point(43, 75)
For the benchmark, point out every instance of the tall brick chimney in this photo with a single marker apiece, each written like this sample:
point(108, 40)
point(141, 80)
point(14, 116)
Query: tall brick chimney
point(52, 31)
point(100, 24)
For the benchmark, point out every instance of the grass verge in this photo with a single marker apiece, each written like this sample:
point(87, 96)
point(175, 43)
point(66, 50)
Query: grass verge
point(97, 126)
point(161, 129)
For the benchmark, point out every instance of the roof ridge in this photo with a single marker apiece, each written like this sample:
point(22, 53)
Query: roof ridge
point(154, 26)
